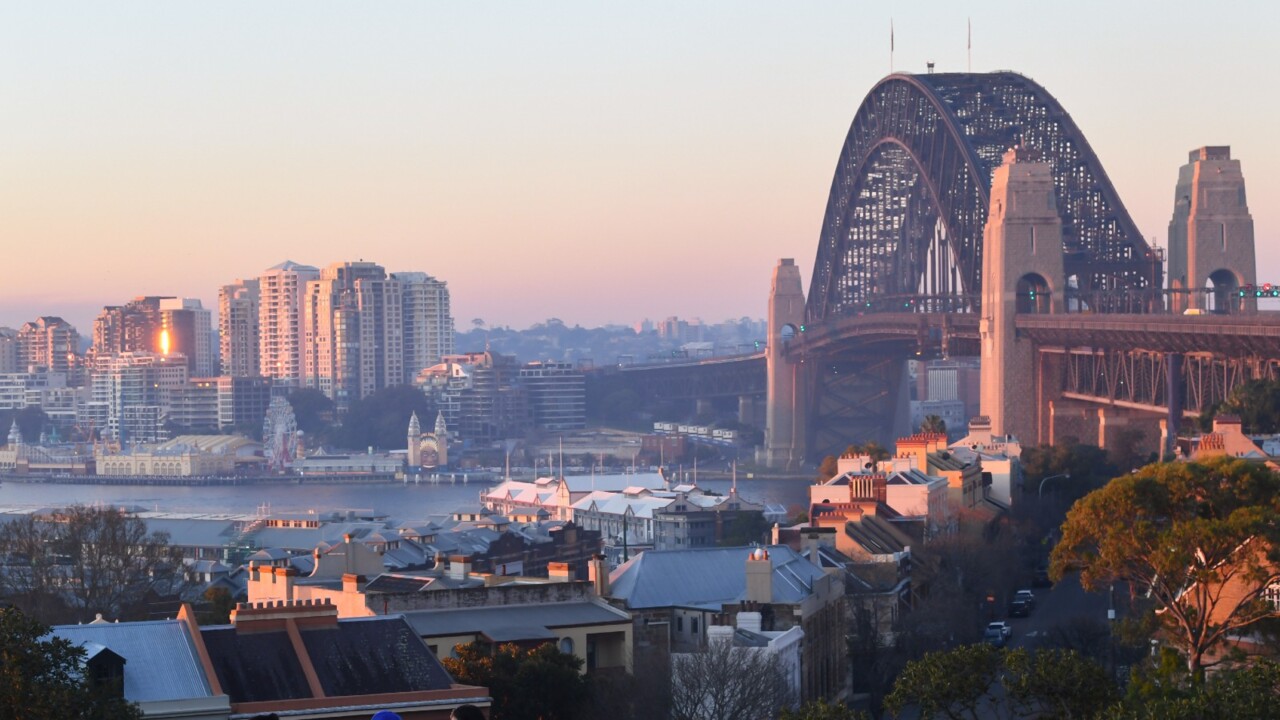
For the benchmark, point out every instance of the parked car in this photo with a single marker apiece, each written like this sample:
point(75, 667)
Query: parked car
point(1019, 608)
point(1041, 578)
point(997, 633)
point(1026, 596)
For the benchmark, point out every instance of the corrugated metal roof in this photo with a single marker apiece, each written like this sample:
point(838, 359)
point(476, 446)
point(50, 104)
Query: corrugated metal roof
point(707, 577)
point(514, 622)
point(160, 660)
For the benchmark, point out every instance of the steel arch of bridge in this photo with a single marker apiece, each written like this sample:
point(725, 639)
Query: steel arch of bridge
point(909, 199)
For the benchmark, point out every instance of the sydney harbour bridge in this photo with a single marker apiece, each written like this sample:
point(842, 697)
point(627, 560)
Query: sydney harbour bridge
point(968, 216)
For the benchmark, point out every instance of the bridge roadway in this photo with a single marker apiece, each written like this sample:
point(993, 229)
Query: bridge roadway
point(1230, 337)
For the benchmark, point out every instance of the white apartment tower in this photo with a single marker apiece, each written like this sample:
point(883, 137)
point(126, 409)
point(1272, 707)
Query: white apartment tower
point(280, 307)
point(353, 332)
point(427, 322)
point(238, 328)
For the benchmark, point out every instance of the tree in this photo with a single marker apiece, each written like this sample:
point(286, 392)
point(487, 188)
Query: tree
point(980, 681)
point(312, 410)
point(1181, 533)
point(1250, 693)
point(41, 677)
point(538, 684)
point(382, 419)
point(723, 682)
point(821, 710)
point(933, 424)
point(955, 684)
point(1257, 403)
point(84, 560)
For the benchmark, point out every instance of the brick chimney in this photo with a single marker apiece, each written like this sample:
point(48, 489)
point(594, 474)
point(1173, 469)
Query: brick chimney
point(560, 571)
point(459, 567)
point(598, 574)
point(278, 614)
point(749, 621)
point(759, 576)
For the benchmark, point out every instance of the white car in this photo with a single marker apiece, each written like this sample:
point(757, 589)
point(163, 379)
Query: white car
point(1026, 596)
point(997, 633)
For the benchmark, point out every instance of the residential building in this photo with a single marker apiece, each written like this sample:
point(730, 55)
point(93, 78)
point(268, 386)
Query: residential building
point(674, 595)
point(353, 332)
point(242, 401)
point(480, 395)
point(189, 329)
point(238, 317)
point(47, 342)
point(281, 289)
point(427, 323)
point(557, 395)
point(9, 362)
point(134, 391)
point(161, 667)
point(131, 328)
point(194, 406)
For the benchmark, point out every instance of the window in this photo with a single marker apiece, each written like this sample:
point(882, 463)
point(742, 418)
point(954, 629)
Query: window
point(566, 646)
point(693, 625)
point(1272, 595)
point(679, 623)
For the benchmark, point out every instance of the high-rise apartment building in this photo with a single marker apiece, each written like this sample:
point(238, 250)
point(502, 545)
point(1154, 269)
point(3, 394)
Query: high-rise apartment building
point(133, 327)
point(48, 342)
point(133, 392)
point(557, 394)
point(9, 351)
point(238, 328)
point(187, 327)
point(280, 308)
point(427, 321)
point(352, 332)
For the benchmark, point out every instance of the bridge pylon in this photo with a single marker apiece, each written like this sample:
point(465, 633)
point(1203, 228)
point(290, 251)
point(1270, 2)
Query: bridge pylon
point(788, 404)
point(1211, 234)
point(1022, 272)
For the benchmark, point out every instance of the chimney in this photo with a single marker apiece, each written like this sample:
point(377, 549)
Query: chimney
point(719, 633)
point(749, 621)
point(460, 567)
point(777, 535)
point(274, 615)
point(598, 574)
point(351, 582)
point(811, 544)
point(560, 571)
point(284, 576)
point(759, 576)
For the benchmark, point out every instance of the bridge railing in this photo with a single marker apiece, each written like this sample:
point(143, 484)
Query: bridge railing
point(1223, 301)
point(915, 304)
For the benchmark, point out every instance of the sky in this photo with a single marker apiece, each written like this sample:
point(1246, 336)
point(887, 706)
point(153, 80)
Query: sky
point(591, 161)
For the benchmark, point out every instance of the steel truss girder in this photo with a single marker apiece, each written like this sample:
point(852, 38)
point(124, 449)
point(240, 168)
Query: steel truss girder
point(854, 400)
point(909, 198)
point(1139, 378)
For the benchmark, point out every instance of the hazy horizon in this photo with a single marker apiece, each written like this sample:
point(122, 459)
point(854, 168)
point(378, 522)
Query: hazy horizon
point(596, 163)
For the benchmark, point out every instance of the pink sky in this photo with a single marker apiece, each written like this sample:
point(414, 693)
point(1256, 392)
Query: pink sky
point(590, 163)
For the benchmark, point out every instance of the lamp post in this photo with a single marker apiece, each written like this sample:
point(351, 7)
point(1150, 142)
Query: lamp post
point(1040, 492)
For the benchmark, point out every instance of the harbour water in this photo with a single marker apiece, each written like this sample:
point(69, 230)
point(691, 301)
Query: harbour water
point(399, 500)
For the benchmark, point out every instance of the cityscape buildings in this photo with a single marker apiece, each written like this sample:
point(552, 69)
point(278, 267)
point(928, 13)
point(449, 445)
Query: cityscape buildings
point(238, 308)
point(281, 289)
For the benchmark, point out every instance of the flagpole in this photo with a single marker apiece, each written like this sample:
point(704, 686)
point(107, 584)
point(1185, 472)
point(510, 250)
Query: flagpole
point(890, 46)
point(969, 45)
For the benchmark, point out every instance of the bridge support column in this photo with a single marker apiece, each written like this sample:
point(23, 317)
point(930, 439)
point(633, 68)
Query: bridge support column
point(1211, 234)
point(703, 407)
point(1173, 396)
point(788, 406)
point(1022, 272)
point(746, 410)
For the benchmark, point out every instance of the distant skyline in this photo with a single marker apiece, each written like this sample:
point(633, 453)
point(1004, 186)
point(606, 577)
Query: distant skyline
point(595, 162)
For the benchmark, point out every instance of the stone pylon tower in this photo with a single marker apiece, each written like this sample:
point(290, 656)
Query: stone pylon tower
point(1021, 273)
point(442, 440)
point(414, 441)
point(1211, 233)
point(787, 411)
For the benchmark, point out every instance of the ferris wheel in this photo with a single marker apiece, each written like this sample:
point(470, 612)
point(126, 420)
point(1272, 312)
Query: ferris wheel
point(279, 434)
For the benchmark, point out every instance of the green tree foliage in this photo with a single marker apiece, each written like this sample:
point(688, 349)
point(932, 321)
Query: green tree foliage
point(748, 527)
point(382, 419)
point(219, 605)
point(538, 684)
point(1180, 532)
point(313, 411)
point(954, 684)
point(32, 420)
point(1165, 693)
point(821, 710)
point(1257, 403)
point(933, 424)
point(980, 681)
point(83, 560)
point(41, 677)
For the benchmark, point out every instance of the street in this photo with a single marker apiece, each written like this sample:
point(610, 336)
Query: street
point(1054, 606)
